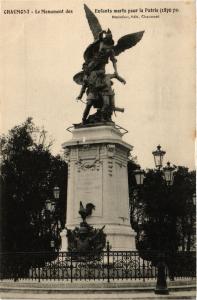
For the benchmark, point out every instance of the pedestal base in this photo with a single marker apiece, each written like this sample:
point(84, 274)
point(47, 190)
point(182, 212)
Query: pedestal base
point(97, 173)
point(120, 238)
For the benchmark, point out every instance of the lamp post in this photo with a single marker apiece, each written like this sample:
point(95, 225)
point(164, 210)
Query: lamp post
point(139, 176)
point(168, 174)
point(55, 224)
point(50, 218)
point(56, 192)
point(158, 157)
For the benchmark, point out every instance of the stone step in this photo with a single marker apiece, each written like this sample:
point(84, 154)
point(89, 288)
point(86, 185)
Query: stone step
point(117, 295)
point(90, 287)
point(181, 289)
point(95, 284)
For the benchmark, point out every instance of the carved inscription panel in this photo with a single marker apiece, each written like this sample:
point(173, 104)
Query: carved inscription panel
point(89, 188)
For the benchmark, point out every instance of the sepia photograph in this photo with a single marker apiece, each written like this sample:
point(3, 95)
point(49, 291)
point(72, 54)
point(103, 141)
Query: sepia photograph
point(97, 135)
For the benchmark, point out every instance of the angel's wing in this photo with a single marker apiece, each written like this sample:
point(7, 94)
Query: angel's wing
point(93, 22)
point(127, 41)
point(91, 51)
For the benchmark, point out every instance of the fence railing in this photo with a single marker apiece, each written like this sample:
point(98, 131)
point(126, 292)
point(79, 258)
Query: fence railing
point(108, 266)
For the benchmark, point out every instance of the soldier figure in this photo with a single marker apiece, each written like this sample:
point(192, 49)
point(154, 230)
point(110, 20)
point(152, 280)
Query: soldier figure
point(100, 94)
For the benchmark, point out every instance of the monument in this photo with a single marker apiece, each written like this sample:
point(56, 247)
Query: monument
point(96, 154)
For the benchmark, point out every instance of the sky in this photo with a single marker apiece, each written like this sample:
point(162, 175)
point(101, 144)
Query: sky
point(40, 54)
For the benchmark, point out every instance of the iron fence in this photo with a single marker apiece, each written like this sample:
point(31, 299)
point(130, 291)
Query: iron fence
point(109, 265)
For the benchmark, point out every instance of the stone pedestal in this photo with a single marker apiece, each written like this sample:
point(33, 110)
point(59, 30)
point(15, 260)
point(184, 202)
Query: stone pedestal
point(97, 173)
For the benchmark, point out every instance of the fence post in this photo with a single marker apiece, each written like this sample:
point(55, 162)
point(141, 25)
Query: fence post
point(143, 270)
point(39, 273)
point(71, 266)
point(108, 275)
point(16, 267)
point(161, 285)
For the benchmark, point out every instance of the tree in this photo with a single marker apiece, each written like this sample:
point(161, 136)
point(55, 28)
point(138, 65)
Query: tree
point(163, 216)
point(28, 174)
point(183, 192)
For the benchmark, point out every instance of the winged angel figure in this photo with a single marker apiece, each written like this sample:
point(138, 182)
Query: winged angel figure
point(93, 78)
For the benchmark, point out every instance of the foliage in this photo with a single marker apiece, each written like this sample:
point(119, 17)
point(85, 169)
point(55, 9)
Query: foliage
point(28, 174)
point(164, 216)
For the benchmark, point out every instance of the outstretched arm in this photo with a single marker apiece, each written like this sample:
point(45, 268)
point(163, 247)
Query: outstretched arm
point(114, 61)
point(120, 79)
point(82, 91)
point(115, 66)
point(115, 75)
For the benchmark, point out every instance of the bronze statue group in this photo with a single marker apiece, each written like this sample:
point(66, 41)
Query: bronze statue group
point(93, 78)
